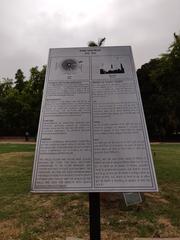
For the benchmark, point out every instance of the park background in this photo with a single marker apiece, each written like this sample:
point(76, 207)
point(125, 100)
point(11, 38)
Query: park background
point(159, 81)
point(28, 29)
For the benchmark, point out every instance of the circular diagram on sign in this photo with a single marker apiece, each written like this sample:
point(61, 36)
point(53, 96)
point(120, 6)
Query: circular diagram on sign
point(69, 65)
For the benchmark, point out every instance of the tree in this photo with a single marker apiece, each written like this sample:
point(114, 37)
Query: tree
point(98, 44)
point(32, 96)
point(159, 82)
point(6, 88)
point(19, 83)
point(20, 103)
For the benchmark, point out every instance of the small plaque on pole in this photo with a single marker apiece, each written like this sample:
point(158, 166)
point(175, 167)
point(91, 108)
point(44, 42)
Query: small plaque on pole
point(92, 134)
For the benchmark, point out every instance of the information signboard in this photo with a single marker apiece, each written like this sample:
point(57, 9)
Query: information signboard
point(92, 134)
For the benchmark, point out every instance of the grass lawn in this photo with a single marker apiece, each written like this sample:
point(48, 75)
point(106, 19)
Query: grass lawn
point(27, 216)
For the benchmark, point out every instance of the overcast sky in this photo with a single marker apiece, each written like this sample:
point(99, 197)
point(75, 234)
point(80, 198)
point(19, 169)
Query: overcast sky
point(28, 28)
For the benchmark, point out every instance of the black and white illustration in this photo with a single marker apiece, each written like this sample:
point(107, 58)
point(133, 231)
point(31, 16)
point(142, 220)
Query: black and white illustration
point(113, 70)
point(69, 67)
point(106, 66)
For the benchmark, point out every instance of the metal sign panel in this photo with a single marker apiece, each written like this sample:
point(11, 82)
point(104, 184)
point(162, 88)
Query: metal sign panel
point(92, 134)
point(132, 198)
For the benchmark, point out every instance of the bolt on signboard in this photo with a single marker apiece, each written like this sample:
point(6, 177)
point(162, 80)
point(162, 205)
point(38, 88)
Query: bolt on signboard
point(92, 134)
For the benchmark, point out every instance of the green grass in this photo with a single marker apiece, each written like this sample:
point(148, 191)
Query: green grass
point(167, 161)
point(11, 147)
point(27, 216)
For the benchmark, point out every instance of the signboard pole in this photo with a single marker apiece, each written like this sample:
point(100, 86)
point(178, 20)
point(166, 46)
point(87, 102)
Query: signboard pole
point(94, 214)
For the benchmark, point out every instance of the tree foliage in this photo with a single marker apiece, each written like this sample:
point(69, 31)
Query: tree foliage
point(99, 43)
point(20, 102)
point(160, 87)
point(19, 83)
